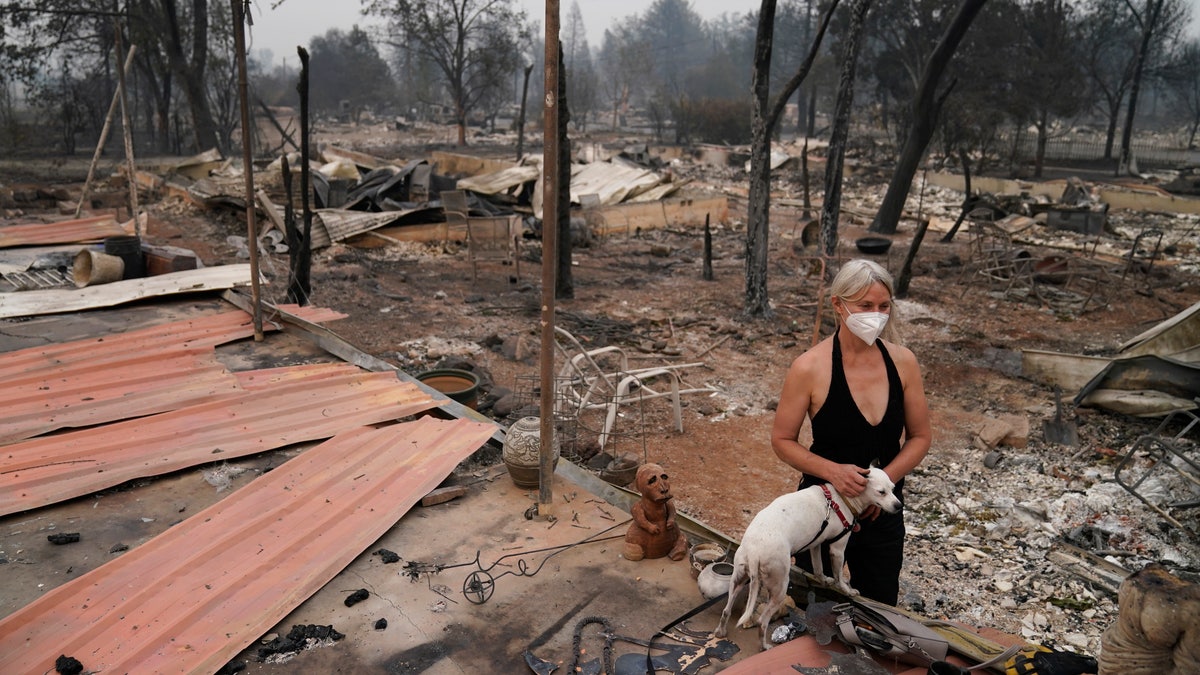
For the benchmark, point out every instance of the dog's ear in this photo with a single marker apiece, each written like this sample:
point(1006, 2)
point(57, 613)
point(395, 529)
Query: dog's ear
point(875, 463)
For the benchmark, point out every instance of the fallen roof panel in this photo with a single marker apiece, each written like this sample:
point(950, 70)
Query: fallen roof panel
point(210, 330)
point(144, 384)
point(203, 331)
point(193, 597)
point(45, 470)
point(342, 224)
point(83, 230)
point(55, 301)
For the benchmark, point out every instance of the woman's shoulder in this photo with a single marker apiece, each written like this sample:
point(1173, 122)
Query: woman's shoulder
point(815, 356)
point(903, 356)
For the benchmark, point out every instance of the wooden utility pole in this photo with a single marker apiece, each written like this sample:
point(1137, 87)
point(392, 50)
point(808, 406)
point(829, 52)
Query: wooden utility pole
point(550, 179)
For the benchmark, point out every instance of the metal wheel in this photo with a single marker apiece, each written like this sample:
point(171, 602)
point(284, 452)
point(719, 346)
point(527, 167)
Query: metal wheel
point(478, 587)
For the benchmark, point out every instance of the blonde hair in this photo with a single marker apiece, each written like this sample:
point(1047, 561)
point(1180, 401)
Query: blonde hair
point(852, 282)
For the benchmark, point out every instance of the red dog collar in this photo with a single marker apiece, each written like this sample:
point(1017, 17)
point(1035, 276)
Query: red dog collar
point(845, 523)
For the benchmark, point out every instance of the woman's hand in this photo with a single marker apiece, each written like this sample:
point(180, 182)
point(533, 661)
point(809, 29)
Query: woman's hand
point(849, 480)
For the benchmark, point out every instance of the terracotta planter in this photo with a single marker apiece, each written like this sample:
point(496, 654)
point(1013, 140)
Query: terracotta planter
point(457, 385)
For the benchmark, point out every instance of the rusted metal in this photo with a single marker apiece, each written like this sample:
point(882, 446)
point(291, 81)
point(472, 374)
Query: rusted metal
point(206, 331)
point(196, 595)
point(90, 394)
point(78, 231)
point(45, 470)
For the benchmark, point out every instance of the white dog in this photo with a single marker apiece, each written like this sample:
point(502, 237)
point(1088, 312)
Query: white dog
point(799, 520)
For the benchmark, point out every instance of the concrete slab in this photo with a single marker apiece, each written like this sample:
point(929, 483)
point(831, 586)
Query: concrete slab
point(547, 577)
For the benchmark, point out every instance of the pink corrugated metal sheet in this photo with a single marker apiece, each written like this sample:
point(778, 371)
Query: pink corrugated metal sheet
point(144, 384)
point(193, 597)
point(131, 374)
point(52, 468)
point(65, 232)
point(267, 377)
point(202, 331)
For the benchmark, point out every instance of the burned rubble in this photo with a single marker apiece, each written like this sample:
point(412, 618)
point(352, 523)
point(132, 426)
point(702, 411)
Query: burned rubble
point(1008, 529)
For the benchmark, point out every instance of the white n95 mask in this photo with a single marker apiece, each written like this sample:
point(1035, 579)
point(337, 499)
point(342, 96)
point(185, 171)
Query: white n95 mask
point(868, 326)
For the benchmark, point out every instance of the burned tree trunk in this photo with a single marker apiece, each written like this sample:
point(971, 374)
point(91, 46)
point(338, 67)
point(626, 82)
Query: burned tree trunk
point(762, 124)
point(300, 255)
point(521, 118)
point(926, 106)
point(968, 200)
point(1149, 25)
point(830, 209)
point(564, 286)
point(1157, 631)
point(758, 225)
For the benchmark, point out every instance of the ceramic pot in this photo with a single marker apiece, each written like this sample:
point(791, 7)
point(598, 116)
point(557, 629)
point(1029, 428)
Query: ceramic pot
point(704, 554)
point(714, 579)
point(522, 452)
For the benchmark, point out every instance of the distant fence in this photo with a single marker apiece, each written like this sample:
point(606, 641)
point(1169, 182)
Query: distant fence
point(1147, 154)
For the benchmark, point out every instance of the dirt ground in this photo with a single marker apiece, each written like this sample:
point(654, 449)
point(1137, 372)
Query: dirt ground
point(416, 306)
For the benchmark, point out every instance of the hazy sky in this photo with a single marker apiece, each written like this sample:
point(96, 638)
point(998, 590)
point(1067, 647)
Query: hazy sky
point(295, 22)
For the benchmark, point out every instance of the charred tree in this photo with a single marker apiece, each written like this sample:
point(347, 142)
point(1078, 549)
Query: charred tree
point(300, 255)
point(1148, 21)
point(758, 225)
point(191, 73)
point(830, 209)
point(765, 117)
point(521, 117)
point(927, 104)
point(564, 287)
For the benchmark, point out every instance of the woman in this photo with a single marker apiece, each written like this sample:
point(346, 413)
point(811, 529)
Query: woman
point(867, 404)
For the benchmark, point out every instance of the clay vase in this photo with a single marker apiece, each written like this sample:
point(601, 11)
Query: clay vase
point(522, 451)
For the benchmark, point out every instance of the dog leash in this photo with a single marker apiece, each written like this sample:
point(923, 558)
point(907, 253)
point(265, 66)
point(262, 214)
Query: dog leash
point(687, 615)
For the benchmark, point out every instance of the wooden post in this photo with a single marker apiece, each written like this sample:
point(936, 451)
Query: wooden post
point(300, 285)
point(239, 43)
point(707, 271)
point(112, 110)
point(550, 180)
point(127, 135)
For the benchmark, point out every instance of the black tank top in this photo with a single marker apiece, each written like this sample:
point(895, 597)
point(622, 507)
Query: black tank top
point(843, 435)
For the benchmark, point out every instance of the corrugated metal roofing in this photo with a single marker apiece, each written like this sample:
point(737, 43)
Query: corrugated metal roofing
point(210, 330)
point(59, 300)
point(143, 384)
point(68, 231)
point(140, 372)
point(53, 468)
point(193, 597)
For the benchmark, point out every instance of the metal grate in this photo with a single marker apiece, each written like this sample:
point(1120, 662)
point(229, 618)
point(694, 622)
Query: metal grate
point(32, 280)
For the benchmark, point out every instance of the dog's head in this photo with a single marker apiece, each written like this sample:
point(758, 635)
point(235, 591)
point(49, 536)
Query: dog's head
point(653, 483)
point(879, 492)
